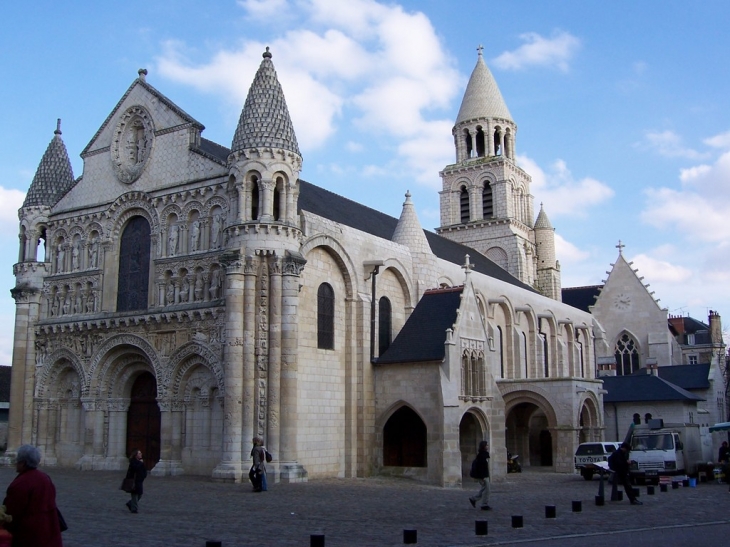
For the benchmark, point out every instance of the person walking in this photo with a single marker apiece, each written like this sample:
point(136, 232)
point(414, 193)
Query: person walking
point(138, 472)
point(480, 471)
point(31, 501)
point(618, 462)
point(258, 469)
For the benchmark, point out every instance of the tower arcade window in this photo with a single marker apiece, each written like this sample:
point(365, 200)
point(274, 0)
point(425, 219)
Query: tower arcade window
point(464, 204)
point(325, 317)
point(134, 265)
point(487, 201)
point(254, 198)
point(480, 142)
point(627, 356)
point(384, 325)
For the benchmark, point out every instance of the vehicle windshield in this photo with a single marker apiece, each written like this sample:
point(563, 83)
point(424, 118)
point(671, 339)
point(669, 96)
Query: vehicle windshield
point(652, 442)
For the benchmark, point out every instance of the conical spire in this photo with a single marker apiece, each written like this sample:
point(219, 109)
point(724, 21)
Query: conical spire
point(409, 231)
point(54, 176)
point(482, 98)
point(265, 120)
point(543, 222)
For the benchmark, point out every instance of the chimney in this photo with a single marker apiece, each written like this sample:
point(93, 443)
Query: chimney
point(651, 366)
point(677, 322)
point(715, 327)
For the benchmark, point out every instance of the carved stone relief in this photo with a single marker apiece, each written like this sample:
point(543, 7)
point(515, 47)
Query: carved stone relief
point(132, 144)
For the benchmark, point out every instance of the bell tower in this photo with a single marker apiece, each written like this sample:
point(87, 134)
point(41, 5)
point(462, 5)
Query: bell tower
point(485, 197)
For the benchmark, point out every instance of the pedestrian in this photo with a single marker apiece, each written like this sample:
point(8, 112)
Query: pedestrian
point(618, 462)
point(138, 472)
point(480, 472)
point(31, 501)
point(257, 474)
point(724, 454)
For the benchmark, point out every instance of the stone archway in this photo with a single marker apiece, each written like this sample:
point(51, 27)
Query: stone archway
point(471, 433)
point(144, 420)
point(528, 435)
point(404, 440)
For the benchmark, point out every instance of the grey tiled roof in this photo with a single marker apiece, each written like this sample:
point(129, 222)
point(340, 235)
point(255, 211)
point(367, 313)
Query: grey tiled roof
point(581, 297)
point(422, 337)
point(265, 120)
point(54, 176)
point(643, 387)
point(482, 98)
point(687, 376)
point(542, 220)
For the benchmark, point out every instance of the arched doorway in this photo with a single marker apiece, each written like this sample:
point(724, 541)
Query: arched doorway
point(470, 434)
point(528, 435)
point(143, 420)
point(404, 440)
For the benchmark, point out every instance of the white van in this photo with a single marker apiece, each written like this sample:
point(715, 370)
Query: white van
point(593, 453)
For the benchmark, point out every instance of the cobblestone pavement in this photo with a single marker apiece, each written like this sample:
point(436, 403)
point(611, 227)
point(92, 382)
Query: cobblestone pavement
point(188, 511)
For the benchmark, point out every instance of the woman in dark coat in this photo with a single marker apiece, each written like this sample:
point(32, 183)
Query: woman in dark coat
point(138, 472)
point(31, 501)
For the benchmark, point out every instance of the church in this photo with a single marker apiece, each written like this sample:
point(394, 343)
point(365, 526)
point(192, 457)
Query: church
point(181, 297)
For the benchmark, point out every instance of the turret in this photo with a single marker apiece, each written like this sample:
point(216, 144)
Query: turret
point(265, 161)
point(548, 268)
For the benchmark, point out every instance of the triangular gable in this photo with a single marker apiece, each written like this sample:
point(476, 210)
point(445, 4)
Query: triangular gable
point(178, 117)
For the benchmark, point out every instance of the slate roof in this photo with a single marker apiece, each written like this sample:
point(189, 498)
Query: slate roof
point(54, 176)
point(482, 98)
point(543, 222)
point(265, 120)
point(643, 388)
point(344, 211)
point(581, 297)
point(5, 384)
point(687, 376)
point(422, 337)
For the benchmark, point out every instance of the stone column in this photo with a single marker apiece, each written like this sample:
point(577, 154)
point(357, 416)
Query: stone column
point(266, 213)
point(229, 468)
point(22, 375)
point(274, 396)
point(168, 464)
point(249, 351)
point(289, 469)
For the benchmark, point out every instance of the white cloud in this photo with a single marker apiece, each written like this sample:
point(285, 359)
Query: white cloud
point(554, 52)
point(719, 141)
point(263, 10)
point(10, 201)
point(700, 209)
point(562, 194)
point(667, 143)
point(566, 252)
point(660, 271)
point(377, 64)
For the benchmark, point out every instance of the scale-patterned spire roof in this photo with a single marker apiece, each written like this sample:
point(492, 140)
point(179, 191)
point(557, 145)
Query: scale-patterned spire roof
point(408, 232)
point(265, 120)
point(482, 98)
point(54, 176)
point(543, 222)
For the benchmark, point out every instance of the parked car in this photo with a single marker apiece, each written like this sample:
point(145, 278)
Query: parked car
point(594, 452)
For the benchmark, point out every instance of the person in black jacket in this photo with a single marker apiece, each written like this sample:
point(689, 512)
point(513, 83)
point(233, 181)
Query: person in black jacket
point(138, 472)
point(618, 462)
point(481, 473)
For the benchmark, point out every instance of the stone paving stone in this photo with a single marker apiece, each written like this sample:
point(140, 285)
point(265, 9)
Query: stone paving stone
point(188, 511)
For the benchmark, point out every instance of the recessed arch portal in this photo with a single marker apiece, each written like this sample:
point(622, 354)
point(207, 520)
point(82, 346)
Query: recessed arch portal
point(404, 440)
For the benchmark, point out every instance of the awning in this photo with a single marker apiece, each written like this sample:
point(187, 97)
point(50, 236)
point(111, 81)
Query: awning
point(722, 426)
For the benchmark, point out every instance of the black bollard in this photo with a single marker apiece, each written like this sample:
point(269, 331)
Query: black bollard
point(619, 496)
point(600, 500)
point(649, 490)
point(316, 540)
point(480, 527)
point(410, 536)
point(675, 485)
point(550, 511)
point(637, 492)
point(213, 543)
point(517, 521)
point(614, 490)
point(662, 487)
point(685, 483)
point(577, 506)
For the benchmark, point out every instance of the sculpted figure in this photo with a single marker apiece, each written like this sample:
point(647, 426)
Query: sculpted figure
point(185, 289)
point(60, 255)
point(198, 289)
point(55, 307)
point(67, 304)
point(94, 253)
point(194, 235)
point(215, 284)
point(75, 255)
point(172, 240)
point(215, 231)
point(170, 295)
point(78, 305)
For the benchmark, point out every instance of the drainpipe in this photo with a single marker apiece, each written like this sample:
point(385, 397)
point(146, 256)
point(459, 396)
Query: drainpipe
point(375, 265)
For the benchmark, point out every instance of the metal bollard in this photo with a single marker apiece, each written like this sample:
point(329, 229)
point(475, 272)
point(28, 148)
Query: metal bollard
point(663, 487)
point(316, 540)
point(550, 511)
point(600, 500)
point(213, 543)
point(675, 485)
point(410, 536)
point(649, 490)
point(577, 506)
point(517, 521)
point(480, 527)
point(685, 483)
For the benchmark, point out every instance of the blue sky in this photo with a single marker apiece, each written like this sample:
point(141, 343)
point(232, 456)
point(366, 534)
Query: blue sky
point(623, 110)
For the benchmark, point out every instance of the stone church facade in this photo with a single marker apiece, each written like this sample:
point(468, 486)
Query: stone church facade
point(192, 296)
